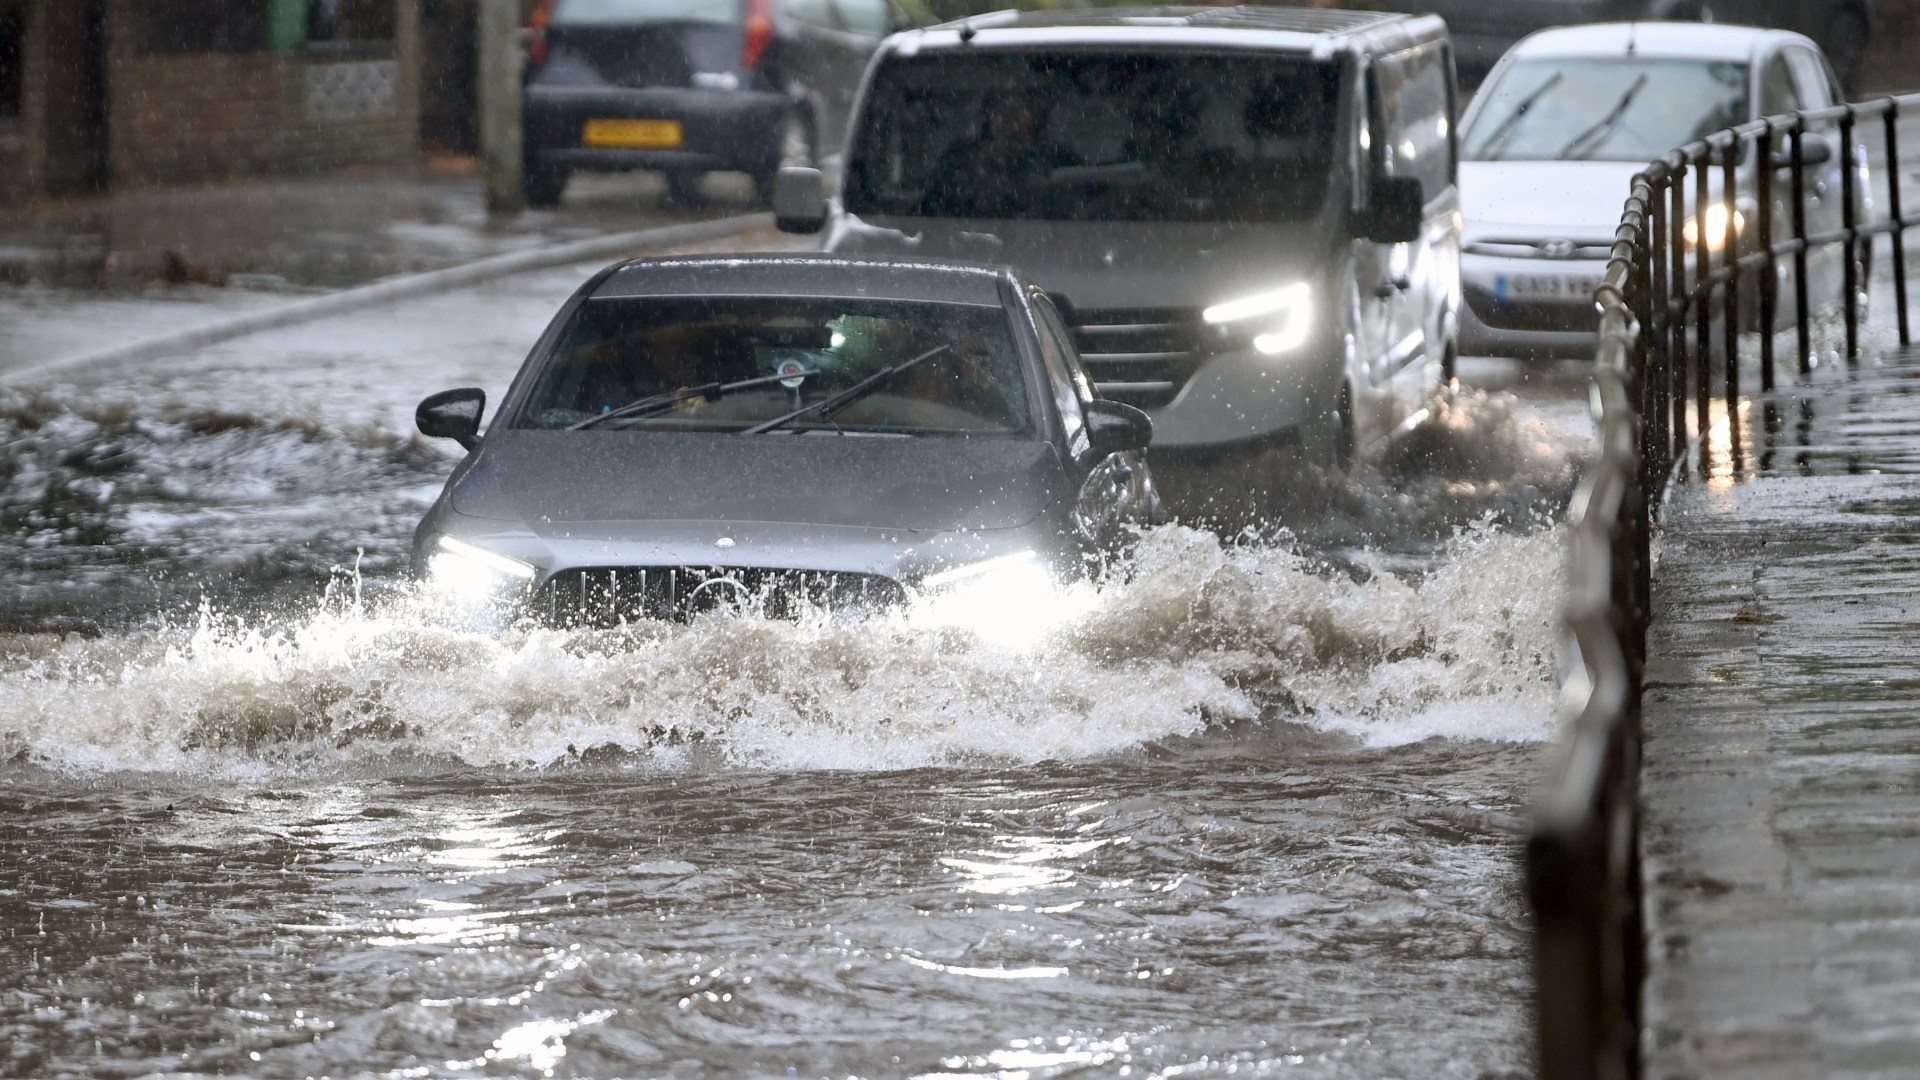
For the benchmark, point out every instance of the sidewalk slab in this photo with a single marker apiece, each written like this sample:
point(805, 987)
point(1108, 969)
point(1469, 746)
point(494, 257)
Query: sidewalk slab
point(1781, 772)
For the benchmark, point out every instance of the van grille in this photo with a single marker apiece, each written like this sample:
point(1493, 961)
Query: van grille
point(609, 595)
point(1140, 356)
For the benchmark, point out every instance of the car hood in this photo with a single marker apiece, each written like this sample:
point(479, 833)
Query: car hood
point(557, 481)
point(1530, 200)
point(1106, 264)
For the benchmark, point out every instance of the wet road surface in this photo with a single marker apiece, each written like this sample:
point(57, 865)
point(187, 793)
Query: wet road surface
point(1252, 810)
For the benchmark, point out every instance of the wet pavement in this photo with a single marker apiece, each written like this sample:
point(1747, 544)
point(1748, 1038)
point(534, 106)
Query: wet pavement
point(1781, 778)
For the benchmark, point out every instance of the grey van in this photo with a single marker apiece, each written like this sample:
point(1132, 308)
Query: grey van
point(1247, 216)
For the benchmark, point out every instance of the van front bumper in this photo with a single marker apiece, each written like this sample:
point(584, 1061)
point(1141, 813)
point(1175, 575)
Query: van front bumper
point(1502, 317)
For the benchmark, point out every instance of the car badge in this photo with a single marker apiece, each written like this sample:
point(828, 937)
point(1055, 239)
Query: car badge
point(724, 542)
point(795, 368)
point(1557, 249)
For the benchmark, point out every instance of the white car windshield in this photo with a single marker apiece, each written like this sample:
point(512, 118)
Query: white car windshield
point(1603, 108)
point(617, 353)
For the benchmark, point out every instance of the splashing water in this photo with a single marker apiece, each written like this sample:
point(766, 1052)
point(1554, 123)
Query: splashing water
point(1193, 633)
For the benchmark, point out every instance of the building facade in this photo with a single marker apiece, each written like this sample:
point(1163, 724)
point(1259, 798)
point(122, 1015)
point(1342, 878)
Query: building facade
point(117, 93)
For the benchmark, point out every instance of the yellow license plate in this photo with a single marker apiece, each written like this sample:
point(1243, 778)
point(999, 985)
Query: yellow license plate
point(633, 134)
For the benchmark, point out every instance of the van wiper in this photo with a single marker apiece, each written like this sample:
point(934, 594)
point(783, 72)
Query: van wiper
point(1605, 125)
point(712, 391)
point(1519, 113)
point(827, 406)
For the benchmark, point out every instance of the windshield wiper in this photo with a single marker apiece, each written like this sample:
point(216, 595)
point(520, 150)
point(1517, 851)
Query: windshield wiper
point(827, 406)
point(1605, 125)
point(1519, 113)
point(647, 406)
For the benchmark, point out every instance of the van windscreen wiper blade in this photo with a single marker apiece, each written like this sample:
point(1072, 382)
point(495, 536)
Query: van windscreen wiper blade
point(1605, 125)
point(827, 406)
point(647, 406)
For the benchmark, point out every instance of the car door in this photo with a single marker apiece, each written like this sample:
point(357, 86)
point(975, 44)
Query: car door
point(1414, 121)
point(1826, 183)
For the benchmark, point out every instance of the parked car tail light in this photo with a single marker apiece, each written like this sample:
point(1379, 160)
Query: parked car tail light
point(537, 31)
point(759, 33)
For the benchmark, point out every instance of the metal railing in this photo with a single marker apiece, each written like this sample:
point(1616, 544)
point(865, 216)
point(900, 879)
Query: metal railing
point(1691, 304)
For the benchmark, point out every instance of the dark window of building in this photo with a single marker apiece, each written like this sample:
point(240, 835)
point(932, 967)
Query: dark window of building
point(200, 26)
point(13, 34)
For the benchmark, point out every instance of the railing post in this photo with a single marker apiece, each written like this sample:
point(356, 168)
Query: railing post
point(1803, 319)
point(1655, 321)
point(1675, 300)
point(1730, 307)
point(1850, 267)
point(1702, 295)
point(1770, 267)
point(1899, 244)
point(1647, 273)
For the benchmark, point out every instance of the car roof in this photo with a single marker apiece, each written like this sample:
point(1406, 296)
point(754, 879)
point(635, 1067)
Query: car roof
point(1321, 31)
point(808, 274)
point(1689, 40)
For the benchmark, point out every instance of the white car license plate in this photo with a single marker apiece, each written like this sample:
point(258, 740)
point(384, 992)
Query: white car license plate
point(1544, 287)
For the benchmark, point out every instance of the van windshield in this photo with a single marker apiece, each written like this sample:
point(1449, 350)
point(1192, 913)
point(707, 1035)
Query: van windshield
point(1096, 136)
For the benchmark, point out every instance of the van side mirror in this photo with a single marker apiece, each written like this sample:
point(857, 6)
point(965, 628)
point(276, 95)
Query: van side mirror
point(799, 200)
point(1815, 149)
point(453, 414)
point(1398, 213)
point(1114, 427)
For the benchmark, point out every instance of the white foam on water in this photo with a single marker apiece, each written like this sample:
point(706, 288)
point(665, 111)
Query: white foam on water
point(1194, 633)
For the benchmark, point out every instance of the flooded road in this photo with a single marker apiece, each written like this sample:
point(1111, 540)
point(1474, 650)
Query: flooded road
point(1249, 808)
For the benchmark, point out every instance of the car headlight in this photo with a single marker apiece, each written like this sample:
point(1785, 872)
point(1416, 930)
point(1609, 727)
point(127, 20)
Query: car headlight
point(468, 574)
point(1279, 319)
point(1723, 224)
point(1007, 599)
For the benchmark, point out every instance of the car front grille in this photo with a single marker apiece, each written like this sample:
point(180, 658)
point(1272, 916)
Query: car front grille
point(1570, 316)
point(1140, 356)
point(610, 595)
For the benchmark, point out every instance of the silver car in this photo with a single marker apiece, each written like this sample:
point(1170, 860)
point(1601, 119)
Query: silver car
point(781, 432)
point(1551, 144)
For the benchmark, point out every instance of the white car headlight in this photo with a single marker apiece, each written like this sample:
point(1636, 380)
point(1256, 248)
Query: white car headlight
point(1722, 224)
point(469, 574)
point(1285, 315)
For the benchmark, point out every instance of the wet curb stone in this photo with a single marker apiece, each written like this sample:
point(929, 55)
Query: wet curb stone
point(1781, 774)
point(391, 290)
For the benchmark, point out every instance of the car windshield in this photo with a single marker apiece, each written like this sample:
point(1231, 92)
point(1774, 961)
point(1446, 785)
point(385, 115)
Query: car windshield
point(1085, 136)
point(621, 12)
point(1603, 108)
point(618, 351)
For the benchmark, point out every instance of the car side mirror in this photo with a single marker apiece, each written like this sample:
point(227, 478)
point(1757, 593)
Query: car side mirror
point(1114, 428)
point(1398, 213)
point(453, 414)
point(799, 200)
point(1815, 149)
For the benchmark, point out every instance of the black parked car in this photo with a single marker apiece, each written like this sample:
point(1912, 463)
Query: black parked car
point(1483, 30)
point(691, 86)
point(769, 431)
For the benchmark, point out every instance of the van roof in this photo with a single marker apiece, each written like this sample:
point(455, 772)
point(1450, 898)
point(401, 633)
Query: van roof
point(1290, 29)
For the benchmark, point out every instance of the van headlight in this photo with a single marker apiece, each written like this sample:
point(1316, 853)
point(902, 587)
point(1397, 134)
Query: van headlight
point(471, 575)
point(1278, 319)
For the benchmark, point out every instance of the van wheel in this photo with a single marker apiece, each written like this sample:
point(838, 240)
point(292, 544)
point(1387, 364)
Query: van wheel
point(796, 148)
point(542, 185)
point(685, 188)
point(1331, 441)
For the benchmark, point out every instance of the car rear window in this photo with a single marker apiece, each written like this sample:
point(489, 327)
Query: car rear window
point(616, 351)
point(1615, 108)
point(1096, 135)
point(618, 12)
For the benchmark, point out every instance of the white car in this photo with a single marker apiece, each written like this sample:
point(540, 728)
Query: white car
point(1550, 145)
